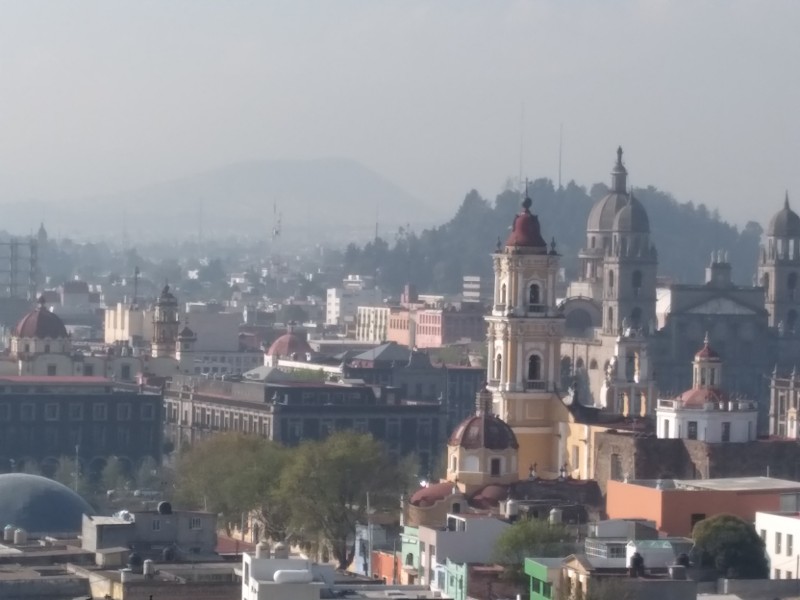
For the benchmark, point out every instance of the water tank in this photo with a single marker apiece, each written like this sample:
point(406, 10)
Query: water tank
point(20, 536)
point(512, 508)
point(164, 508)
point(292, 576)
point(677, 572)
point(8, 533)
point(125, 575)
point(262, 550)
point(280, 550)
point(149, 568)
point(556, 516)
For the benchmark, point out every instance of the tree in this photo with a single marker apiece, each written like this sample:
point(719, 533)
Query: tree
point(148, 476)
point(732, 546)
point(114, 475)
point(207, 479)
point(527, 538)
point(327, 483)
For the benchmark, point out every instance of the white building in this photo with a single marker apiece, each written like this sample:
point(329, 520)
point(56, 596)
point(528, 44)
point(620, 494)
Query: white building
point(342, 302)
point(781, 534)
point(705, 412)
point(372, 324)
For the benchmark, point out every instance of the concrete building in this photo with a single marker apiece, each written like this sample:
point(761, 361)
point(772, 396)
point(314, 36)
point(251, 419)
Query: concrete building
point(780, 532)
point(342, 302)
point(706, 412)
point(675, 506)
point(428, 327)
point(372, 324)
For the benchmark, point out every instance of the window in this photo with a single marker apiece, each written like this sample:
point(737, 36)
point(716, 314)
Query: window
point(666, 429)
point(124, 412)
point(27, 412)
point(534, 295)
point(51, 412)
point(534, 368)
point(726, 431)
point(195, 523)
point(156, 524)
point(456, 508)
point(47, 348)
point(125, 372)
point(777, 543)
point(51, 370)
point(789, 544)
point(692, 430)
point(636, 281)
point(495, 467)
point(763, 534)
point(88, 370)
point(777, 574)
point(148, 412)
point(99, 411)
point(75, 412)
point(498, 366)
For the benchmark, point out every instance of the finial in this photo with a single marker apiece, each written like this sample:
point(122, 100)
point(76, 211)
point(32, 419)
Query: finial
point(619, 155)
point(553, 245)
point(499, 244)
point(526, 203)
point(786, 200)
point(42, 301)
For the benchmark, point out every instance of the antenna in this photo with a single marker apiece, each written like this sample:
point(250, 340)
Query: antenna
point(521, 140)
point(560, 151)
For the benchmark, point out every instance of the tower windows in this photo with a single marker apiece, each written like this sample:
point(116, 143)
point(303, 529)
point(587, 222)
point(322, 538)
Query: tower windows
point(636, 282)
point(494, 467)
point(534, 368)
point(610, 319)
point(636, 317)
point(534, 297)
point(791, 320)
point(498, 366)
point(503, 294)
point(791, 284)
point(611, 280)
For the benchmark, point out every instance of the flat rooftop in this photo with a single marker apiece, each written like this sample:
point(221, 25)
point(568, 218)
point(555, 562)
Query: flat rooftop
point(726, 484)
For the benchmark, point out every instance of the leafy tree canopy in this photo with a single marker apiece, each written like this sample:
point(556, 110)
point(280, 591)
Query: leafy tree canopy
point(730, 545)
point(530, 538)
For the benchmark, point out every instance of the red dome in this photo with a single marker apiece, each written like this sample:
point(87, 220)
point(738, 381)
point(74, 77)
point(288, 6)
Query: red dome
point(40, 323)
point(490, 496)
point(430, 495)
point(525, 230)
point(698, 397)
point(289, 344)
point(484, 431)
point(707, 352)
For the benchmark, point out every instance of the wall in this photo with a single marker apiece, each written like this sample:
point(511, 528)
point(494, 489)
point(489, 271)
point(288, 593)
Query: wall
point(50, 587)
point(787, 559)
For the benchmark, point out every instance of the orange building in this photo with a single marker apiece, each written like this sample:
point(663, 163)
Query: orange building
point(676, 505)
point(386, 565)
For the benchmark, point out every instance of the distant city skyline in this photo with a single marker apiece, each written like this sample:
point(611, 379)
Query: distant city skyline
point(99, 98)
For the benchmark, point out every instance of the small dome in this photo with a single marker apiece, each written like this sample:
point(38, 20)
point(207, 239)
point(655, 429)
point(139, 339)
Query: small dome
point(484, 431)
point(288, 344)
point(699, 397)
point(40, 323)
point(785, 223)
point(186, 333)
point(707, 352)
point(525, 231)
point(40, 505)
point(632, 218)
point(604, 212)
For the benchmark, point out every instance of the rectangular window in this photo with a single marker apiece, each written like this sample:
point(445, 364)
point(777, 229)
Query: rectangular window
point(75, 411)
point(125, 372)
point(148, 412)
point(195, 523)
point(777, 574)
point(156, 524)
point(99, 411)
point(777, 543)
point(692, 430)
point(726, 431)
point(51, 370)
point(123, 412)
point(27, 412)
point(789, 544)
point(51, 412)
point(88, 370)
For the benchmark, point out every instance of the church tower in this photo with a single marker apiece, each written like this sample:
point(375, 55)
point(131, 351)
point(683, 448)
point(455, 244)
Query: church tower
point(779, 268)
point(165, 325)
point(524, 342)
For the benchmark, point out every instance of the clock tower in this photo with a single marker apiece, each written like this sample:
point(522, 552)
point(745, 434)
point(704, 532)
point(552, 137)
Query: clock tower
point(524, 344)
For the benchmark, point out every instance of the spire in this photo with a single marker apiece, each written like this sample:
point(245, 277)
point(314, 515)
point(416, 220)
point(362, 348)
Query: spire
point(706, 340)
point(619, 175)
point(619, 156)
point(786, 201)
point(527, 202)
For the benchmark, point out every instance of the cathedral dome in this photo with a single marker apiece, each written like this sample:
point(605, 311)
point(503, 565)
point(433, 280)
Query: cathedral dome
point(288, 344)
point(604, 212)
point(40, 505)
point(785, 223)
point(525, 231)
point(483, 431)
point(632, 218)
point(40, 323)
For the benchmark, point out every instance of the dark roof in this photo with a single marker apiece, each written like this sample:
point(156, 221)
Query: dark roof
point(391, 351)
point(433, 493)
point(483, 431)
point(40, 505)
point(40, 323)
point(785, 223)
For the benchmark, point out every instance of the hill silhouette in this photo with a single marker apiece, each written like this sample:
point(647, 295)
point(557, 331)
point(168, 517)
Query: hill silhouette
point(437, 258)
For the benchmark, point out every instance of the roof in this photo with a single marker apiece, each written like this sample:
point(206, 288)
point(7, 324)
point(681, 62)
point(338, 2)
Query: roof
point(483, 431)
point(40, 505)
point(288, 344)
point(433, 493)
point(40, 323)
point(55, 379)
point(698, 397)
point(632, 217)
point(390, 351)
point(525, 230)
point(707, 352)
point(785, 223)
point(729, 484)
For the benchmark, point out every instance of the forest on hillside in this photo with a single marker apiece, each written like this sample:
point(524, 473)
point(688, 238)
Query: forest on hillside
point(436, 259)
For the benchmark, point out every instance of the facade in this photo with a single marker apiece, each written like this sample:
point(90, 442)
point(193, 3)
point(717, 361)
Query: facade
point(166, 323)
point(342, 303)
point(705, 412)
point(675, 506)
point(784, 396)
point(429, 327)
point(372, 324)
point(46, 418)
point(780, 531)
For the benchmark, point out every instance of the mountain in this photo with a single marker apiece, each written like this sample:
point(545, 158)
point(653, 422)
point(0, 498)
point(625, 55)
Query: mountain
point(319, 200)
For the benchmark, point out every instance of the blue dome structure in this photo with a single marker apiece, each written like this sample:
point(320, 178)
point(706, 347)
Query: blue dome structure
point(40, 505)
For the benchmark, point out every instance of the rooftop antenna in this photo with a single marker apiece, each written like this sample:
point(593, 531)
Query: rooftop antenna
point(521, 140)
point(560, 151)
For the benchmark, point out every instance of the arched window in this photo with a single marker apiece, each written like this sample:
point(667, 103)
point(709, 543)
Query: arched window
point(765, 283)
point(503, 294)
point(456, 509)
point(534, 295)
point(611, 280)
point(591, 242)
point(579, 364)
point(593, 364)
point(636, 282)
point(498, 366)
point(610, 319)
point(534, 368)
point(636, 317)
point(409, 560)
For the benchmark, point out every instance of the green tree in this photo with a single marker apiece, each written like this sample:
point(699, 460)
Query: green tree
point(530, 538)
point(114, 475)
point(327, 483)
point(233, 474)
point(732, 546)
point(148, 475)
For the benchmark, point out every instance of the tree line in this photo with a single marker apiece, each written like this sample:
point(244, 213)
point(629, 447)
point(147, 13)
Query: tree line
point(312, 495)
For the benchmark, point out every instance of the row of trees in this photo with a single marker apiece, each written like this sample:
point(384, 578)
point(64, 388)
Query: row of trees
point(313, 494)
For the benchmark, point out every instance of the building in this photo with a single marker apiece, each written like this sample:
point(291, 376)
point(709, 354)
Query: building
point(291, 412)
point(675, 506)
point(422, 326)
point(372, 324)
point(706, 412)
point(162, 534)
point(43, 419)
point(342, 303)
point(779, 530)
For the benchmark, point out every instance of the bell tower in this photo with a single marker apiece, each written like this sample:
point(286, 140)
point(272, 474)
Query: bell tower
point(524, 341)
point(779, 269)
point(165, 325)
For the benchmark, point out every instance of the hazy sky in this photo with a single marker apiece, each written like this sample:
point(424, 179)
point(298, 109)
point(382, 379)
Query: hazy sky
point(105, 96)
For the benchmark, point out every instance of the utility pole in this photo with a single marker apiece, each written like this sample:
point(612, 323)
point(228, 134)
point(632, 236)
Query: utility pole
point(369, 539)
point(77, 466)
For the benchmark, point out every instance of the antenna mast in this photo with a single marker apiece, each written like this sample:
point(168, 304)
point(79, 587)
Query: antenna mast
point(521, 140)
point(560, 151)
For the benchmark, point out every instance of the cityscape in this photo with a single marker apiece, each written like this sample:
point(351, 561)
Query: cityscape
point(261, 369)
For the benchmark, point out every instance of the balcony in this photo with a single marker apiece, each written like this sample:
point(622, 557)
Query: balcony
point(537, 308)
point(535, 386)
